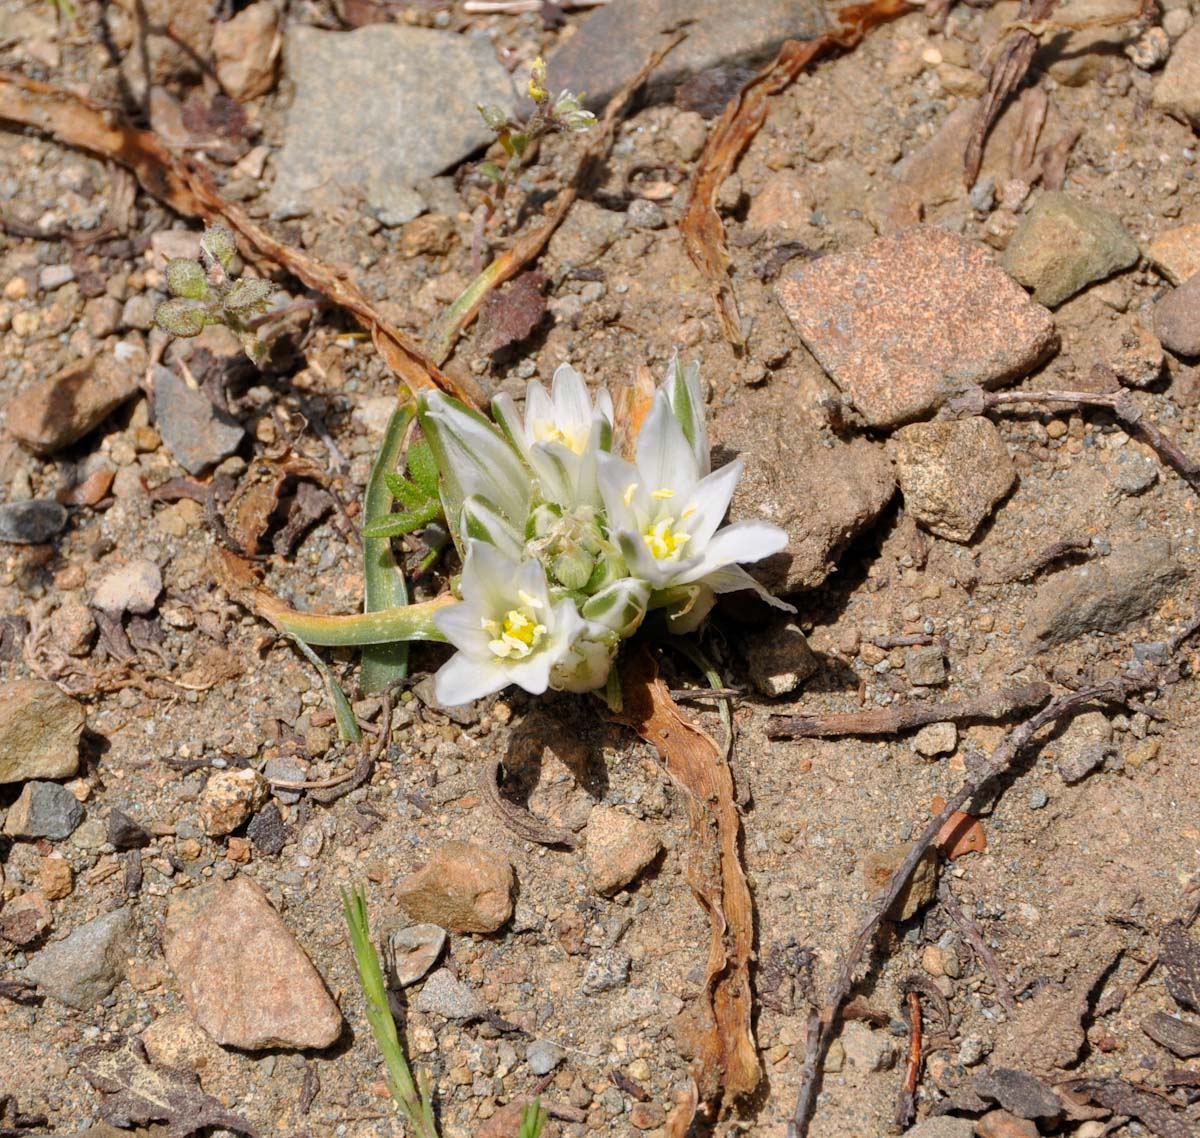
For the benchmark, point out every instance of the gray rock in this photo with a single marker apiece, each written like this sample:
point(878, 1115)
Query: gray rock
point(925, 666)
point(1038, 798)
point(1177, 318)
point(198, 434)
point(133, 587)
point(1178, 90)
point(910, 321)
point(779, 659)
point(542, 1056)
point(284, 770)
point(1083, 746)
point(1063, 245)
point(139, 311)
point(607, 970)
point(611, 45)
point(44, 810)
point(1103, 596)
point(85, 967)
point(413, 951)
point(952, 474)
point(405, 205)
point(866, 1049)
point(424, 88)
point(1132, 472)
point(445, 995)
point(585, 235)
point(32, 522)
point(53, 277)
point(645, 214)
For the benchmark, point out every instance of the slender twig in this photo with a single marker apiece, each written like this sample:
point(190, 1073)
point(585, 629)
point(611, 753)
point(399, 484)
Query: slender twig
point(974, 936)
point(906, 1101)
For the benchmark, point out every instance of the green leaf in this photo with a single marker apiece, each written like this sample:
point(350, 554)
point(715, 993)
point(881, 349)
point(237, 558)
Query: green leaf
point(182, 317)
point(397, 525)
point(405, 492)
point(218, 245)
point(248, 294)
point(533, 1119)
point(348, 727)
point(423, 466)
point(186, 278)
point(404, 622)
point(491, 170)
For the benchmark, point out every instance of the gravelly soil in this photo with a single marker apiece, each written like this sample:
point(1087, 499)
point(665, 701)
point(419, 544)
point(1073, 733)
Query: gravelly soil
point(1068, 868)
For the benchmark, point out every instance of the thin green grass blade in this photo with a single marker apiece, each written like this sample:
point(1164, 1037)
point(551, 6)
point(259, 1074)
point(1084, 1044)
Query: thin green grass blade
point(343, 713)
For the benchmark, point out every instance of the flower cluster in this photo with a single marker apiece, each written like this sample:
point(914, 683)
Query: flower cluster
point(568, 546)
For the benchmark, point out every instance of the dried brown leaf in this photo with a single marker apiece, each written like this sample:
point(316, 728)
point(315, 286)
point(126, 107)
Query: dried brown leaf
point(509, 316)
point(1180, 958)
point(1153, 1111)
point(1176, 1035)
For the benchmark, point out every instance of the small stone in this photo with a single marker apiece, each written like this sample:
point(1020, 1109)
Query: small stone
point(133, 587)
point(413, 951)
point(1001, 1124)
point(1178, 89)
point(25, 919)
point(542, 1056)
point(32, 522)
point(198, 434)
point(1038, 798)
point(973, 1050)
point(267, 831)
point(83, 969)
point(1177, 318)
point(876, 869)
point(1132, 472)
point(1135, 354)
point(1176, 22)
point(244, 977)
point(139, 310)
point(1104, 595)
point(952, 474)
point(645, 214)
point(688, 133)
point(44, 810)
point(1150, 50)
point(406, 204)
point(285, 770)
point(39, 731)
point(607, 970)
point(647, 1116)
point(229, 798)
point(910, 321)
point(431, 234)
point(835, 1058)
point(925, 666)
point(464, 888)
point(936, 739)
point(785, 203)
point(124, 833)
point(1176, 252)
point(866, 1049)
point(1083, 746)
point(56, 879)
point(246, 51)
point(943, 1126)
point(445, 995)
point(49, 414)
point(619, 847)
point(1063, 245)
point(779, 659)
point(102, 315)
point(53, 277)
point(73, 629)
point(933, 960)
point(176, 1040)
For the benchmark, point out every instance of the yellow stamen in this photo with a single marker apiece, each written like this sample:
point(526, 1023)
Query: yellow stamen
point(663, 541)
point(663, 495)
point(516, 637)
point(629, 493)
point(548, 431)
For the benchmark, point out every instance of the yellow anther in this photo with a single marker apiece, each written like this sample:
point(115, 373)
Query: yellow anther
point(516, 637)
point(663, 495)
point(629, 492)
point(663, 541)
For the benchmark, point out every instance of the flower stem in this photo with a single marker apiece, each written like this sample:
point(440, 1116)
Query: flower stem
point(406, 622)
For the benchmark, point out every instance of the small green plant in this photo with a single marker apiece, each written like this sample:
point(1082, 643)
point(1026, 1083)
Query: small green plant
point(417, 495)
point(204, 292)
point(413, 1096)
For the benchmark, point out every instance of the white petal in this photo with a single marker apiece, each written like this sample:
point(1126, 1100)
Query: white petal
point(733, 579)
point(557, 469)
point(504, 411)
point(665, 459)
point(740, 542)
point(462, 679)
point(616, 476)
point(489, 578)
point(461, 625)
point(642, 563)
point(532, 673)
point(687, 402)
point(572, 403)
point(710, 500)
point(481, 521)
point(604, 405)
point(530, 579)
point(539, 410)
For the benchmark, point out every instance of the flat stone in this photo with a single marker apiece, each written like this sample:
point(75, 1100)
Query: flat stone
point(542, 1056)
point(420, 123)
point(867, 1049)
point(876, 869)
point(1134, 353)
point(1083, 746)
point(286, 769)
point(445, 995)
point(1178, 90)
point(822, 490)
point(1176, 252)
point(73, 629)
point(607, 970)
point(196, 433)
point(86, 966)
point(779, 659)
point(952, 474)
point(133, 587)
point(464, 888)
point(244, 977)
point(1177, 319)
point(943, 1126)
point(413, 951)
point(936, 739)
point(1131, 472)
point(32, 522)
point(49, 414)
point(229, 799)
point(43, 810)
point(176, 1040)
point(25, 919)
point(925, 666)
point(911, 321)
point(1062, 245)
point(612, 44)
point(619, 847)
point(246, 51)
point(1103, 596)
point(1001, 1124)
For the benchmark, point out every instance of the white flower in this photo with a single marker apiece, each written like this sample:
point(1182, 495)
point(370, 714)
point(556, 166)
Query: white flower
point(506, 629)
point(561, 435)
point(665, 511)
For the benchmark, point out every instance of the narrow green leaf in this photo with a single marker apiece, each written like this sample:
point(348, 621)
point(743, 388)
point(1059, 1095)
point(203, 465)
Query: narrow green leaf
point(533, 1119)
point(404, 491)
point(397, 525)
point(387, 626)
point(422, 466)
point(343, 713)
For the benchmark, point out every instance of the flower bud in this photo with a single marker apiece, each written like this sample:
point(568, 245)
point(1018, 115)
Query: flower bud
point(181, 317)
point(218, 245)
point(573, 567)
point(186, 278)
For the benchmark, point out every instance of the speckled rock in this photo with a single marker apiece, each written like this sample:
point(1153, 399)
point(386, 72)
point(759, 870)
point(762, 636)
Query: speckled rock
point(779, 659)
point(419, 125)
point(246, 51)
point(1176, 252)
point(244, 977)
point(464, 888)
point(86, 966)
point(25, 919)
point(445, 995)
point(1178, 90)
point(196, 433)
point(413, 951)
point(229, 799)
point(39, 731)
point(876, 869)
point(1063, 245)
point(619, 847)
point(952, 474)
point(1177, 319)
point(32, 522)
point(910, 321)
point(49, 414)
point(43, 810)
point(133, 587)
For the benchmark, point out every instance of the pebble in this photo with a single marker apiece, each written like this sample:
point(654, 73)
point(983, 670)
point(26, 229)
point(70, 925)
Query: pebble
point(229, 799)
point(785, 203)
point(413, 951)
point(1132, 472)
point(176, 1040)
point(1176, 252)
point(875, 871)
point(133, 587)
point(243, 975)
point(1001, 1124)
point(688, 134)
point(1135, 354)
point(936, 739)
point(943, 1126)
point(1178, 89)
point(139, 310)
point(445, 995)
point(124, 833)
point(420, 126)
point(1038, 798)
point(542, 1056)
point(866, 1049)
point(607, 970)
point(32, 522)
point(197, 434)
point(898, 325)
point(43, 810)
point(53, 277)
point(73, 629)
point(779, 659)
point(1083, 746)
point(973, 1050)
point(1150, 50)
point(49, 414)
point(1177, 318)
point(619, 847)
point(84, 968)
point(645, 214)
point(952, 474)
point(25, 919)
point(406, 205)
point(464, 888)
point(1176, 22)
point(1105, 595)
point(287, 769)
point(56, 878)
point(1064, 244)
point(246, 51)
point(925, 666)
point(102, 316)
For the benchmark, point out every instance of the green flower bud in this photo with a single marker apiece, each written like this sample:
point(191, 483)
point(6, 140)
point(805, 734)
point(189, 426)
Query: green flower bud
point(186, 278)
point(218, 245)
point(182, 317)
point(573, 568)
point(247, 295)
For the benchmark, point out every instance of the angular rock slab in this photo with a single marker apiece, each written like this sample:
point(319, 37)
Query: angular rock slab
point(85, 967)
point(243, 975)
point(1178, 89)
point(910, 321)
point(421, 88)
point(39, 731)
point(464, 888)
